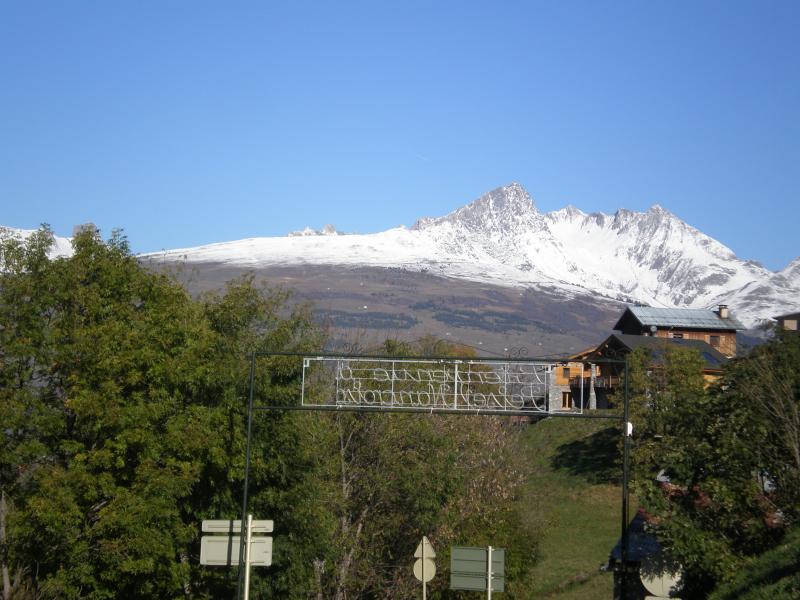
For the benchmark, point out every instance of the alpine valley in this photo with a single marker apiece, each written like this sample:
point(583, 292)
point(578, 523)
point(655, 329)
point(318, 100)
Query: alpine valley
point(496, 274)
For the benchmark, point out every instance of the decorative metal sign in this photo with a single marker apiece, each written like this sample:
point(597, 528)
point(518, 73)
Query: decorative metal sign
point(435, 384)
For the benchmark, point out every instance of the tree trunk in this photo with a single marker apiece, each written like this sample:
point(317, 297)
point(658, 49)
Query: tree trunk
point(187, 585)
point(3, 547)
point(319, 569)
point(347, 561)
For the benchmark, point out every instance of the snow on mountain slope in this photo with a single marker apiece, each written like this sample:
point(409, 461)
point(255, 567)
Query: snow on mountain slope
point(650, 257)
point(61, 246)
point(653, 257)
point(502, 238)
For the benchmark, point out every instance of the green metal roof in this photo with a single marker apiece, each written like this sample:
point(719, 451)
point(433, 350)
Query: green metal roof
point(691, 318)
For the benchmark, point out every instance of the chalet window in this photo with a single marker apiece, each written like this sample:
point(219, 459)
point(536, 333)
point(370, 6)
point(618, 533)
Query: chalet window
point(566, 373)
point(714, 341)
point(677, 336)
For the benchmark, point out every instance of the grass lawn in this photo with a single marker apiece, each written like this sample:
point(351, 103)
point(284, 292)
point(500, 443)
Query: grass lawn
point(574, 498)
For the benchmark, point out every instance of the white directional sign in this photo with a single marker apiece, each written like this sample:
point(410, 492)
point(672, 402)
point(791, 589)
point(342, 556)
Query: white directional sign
point(424, 549)
point(223, 551)
point(424, 567)
point(235, 526)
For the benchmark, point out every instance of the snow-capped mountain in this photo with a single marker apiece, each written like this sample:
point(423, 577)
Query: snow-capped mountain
point(327, 230)
point(61, 246)
point(502, 238)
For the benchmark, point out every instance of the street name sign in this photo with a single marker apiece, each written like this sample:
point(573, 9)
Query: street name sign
point(468, 568)
point(223, 551)
point(235, 526)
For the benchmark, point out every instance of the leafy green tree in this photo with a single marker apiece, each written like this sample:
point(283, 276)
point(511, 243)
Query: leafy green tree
point(123, 405)
point(715, 466)
point(403, 476)
point(122, 401)
point(766, 385)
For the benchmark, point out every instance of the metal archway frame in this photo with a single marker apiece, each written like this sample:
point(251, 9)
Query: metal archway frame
point(428, 409)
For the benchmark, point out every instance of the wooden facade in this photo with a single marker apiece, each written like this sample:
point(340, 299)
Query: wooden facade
point(715, 328)
point(721, 340)
point(790, 322)
point(711, 333)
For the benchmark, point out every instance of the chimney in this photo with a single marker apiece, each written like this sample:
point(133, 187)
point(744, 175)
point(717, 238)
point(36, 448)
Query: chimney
point(723, 311)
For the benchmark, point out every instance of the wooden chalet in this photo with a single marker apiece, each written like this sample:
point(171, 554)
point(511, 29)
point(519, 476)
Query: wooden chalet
point(788, 322)
point(717, 328)
point(589, 382)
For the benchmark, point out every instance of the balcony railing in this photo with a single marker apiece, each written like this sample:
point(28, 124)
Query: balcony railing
point(605, 382)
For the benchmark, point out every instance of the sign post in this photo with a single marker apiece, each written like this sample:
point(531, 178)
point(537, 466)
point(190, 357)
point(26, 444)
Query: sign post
point(247, 557)
point(489, 574)
point(424, 567)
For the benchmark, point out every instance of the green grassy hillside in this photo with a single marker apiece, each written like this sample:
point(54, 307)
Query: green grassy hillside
point(574, 499)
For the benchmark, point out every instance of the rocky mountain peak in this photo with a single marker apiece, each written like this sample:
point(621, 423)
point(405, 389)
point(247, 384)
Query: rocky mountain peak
point(568, 213)
point(792, 270)
point(503, 209)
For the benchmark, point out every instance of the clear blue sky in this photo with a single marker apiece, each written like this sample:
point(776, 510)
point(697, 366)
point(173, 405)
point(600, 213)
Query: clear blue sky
point(193, 122)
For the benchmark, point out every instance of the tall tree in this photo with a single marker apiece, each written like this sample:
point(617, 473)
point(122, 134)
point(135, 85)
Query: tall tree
point(122, 401)
point(715, 466)
point(402, 476)
point(123, 404)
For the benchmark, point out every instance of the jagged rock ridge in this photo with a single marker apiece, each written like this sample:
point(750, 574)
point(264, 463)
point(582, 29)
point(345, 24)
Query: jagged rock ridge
point(651, 257)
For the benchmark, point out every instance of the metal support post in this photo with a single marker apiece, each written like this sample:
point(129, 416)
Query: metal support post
point(246, 471)
point(424, 583)
point(625, 476)
point(247, 558)
point(489, 574)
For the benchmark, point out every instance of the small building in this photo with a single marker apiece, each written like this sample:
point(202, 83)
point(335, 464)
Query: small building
point(788, 322)
point(571, 386)
point(717, 328)
point(606, 377)
point(590, 377)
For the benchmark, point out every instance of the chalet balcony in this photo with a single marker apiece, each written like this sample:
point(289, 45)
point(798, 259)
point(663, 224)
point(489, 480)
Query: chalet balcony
point(603, 382)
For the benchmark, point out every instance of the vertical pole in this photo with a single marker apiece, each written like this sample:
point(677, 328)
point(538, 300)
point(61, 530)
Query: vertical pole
point(246, 470)
point(489, 574)
point(247, 559)
point(455, 386)
point(424, 584)
point(393, 378)
point(625, 476)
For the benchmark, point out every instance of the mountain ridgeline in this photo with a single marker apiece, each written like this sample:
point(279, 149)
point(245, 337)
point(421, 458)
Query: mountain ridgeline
point(498, 271)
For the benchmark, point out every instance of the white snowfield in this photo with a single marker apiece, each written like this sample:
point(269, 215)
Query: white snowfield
point(61, 246)
point(502, 238)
